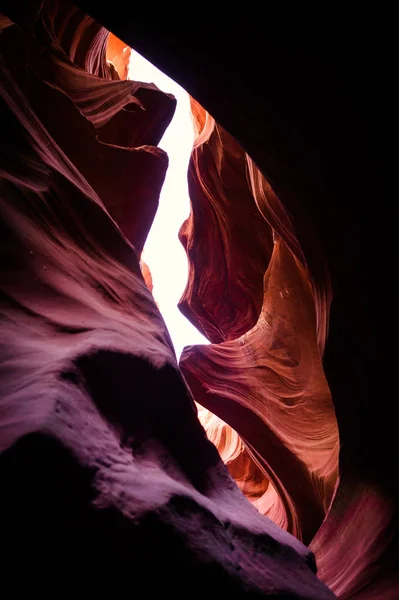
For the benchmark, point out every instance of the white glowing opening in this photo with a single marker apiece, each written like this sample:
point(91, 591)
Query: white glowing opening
point(163, 253)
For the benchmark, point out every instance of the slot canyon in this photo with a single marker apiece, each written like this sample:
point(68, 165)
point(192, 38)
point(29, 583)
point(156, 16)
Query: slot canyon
point(264, 462)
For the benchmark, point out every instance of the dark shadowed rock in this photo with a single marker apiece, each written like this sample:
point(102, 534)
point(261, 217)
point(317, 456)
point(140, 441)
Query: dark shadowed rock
point(108, 482)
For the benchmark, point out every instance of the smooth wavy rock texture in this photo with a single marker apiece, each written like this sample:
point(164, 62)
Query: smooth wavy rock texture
point(267, 383)
point(308, 97)
point(108, 481)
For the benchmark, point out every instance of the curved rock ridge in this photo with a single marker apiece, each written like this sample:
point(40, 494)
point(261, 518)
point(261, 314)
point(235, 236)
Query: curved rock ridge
point(60, 65)
point(234, 211)
point(270, 387)
point(118, 56)
point(109, 483)
point(249, 478)
point(272, 369)
point(312, 105)
point(227, 241)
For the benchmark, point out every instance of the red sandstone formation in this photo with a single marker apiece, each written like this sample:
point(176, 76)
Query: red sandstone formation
point(109, 484)
point(224, 292)
point(118, 123)
point(268, 383)
point(273, 371)
point(249, 478)
point(145, 270)
point(310, 105)
point(118, 54)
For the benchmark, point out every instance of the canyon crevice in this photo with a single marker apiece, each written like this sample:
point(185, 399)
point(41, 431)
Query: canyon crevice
point(264, 463)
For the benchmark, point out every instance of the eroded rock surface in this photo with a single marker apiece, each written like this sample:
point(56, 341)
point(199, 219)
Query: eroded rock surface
point(267, 383)
point(108, 482)
point(309, 99)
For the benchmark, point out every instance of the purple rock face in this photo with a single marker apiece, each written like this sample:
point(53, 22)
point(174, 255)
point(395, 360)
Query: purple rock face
point(107, 475)
point(109, 483)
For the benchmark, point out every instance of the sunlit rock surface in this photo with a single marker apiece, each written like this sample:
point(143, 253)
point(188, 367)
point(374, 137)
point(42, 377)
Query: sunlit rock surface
point(118, 54)
point(227, 241)
point(309, 99)
point(267, 383)
point(108, 482)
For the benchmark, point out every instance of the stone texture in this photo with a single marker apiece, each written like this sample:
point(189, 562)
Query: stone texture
point(273, 370)
point(109, 484)
point(309, 98)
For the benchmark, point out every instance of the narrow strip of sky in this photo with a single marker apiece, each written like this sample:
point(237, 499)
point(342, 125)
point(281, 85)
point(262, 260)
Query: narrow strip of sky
point(163, 252)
